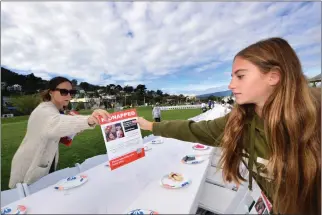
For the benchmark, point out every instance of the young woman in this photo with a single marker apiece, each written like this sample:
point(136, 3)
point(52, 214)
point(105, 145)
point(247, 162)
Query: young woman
point(275, 128)
point(38, 153)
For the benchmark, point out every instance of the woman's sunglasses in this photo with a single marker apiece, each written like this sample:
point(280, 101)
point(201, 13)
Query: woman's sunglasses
point(64, 92)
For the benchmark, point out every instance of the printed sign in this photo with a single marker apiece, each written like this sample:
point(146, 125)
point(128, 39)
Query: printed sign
point(123, 139)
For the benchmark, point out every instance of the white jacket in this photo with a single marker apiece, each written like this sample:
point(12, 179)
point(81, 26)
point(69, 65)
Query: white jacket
point(156, 112)
point(36, 153)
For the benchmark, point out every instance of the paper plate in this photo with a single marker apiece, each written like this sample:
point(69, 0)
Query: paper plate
point(142, 211)
point(166, 182)
point(71, 182)
point(200, 147)
point(21, 209)
point(157, 141)
point(194, 159)
point(147, 148)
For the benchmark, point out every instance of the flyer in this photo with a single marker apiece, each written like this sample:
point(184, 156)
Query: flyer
point(262, 204)
point(122, 137)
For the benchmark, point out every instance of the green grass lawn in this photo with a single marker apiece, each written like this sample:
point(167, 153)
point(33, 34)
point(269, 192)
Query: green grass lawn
point(85, 145)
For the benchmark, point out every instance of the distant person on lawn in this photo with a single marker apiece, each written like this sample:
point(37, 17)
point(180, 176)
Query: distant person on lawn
point(38, 153)
point(156, 113)
point(274, 128)
point(203, 107)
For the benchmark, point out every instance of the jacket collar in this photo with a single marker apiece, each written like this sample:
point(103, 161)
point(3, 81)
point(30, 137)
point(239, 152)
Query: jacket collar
point(259, 123)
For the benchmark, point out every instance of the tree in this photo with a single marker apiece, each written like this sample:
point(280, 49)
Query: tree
point(112, 89)
point(74, 82)
point(128, 89)
point(2, 103)
point(118, 88)
point(96, 94)
point(181, 98)
point(140, 89)
point(85, 86)
point(108, 89)
point(159, 92)
point(26, 104)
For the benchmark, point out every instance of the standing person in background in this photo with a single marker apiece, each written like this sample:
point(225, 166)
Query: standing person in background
point(156, 113)
point(38, 153)
point(209, 104)
point(203, 107)
point(274, 128)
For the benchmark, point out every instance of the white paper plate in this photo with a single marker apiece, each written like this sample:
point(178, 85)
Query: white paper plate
point(142, 211)
point(147, 148)
point(200, 147)
point(20, 209)
point(194, 159)
point(172, 184)
point(71, 182)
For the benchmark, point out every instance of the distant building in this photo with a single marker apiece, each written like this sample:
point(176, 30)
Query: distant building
point(191, 97)
point(315, 81)
point(15, 87)
point(3, 85)
point(79, 89)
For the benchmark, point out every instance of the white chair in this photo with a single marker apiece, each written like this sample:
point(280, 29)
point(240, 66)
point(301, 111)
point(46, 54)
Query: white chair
point(49, 180)
point(12, 195)
point(216, 199)
point(92, 162)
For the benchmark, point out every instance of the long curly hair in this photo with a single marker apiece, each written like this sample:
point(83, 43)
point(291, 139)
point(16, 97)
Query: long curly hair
point(292, 122)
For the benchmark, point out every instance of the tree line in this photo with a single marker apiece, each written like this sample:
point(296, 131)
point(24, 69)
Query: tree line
point(126, 95)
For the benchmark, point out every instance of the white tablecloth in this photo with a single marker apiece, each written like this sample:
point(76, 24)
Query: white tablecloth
point(128, 187)
point(136, 185)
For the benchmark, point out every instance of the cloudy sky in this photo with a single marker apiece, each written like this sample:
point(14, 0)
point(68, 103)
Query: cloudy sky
point(176, 47)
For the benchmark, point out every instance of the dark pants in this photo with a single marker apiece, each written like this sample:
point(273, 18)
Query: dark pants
point(157, 119)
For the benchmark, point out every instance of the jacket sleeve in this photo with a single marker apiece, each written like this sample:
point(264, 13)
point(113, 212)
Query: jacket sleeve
point(59, 125)
point(205, 132)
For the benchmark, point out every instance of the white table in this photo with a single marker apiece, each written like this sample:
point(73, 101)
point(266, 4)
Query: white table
point(175, 201)
point(122, 189)
point(136, 185)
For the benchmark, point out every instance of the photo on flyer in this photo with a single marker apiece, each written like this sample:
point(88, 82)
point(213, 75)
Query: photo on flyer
point(260, 205)
point(267, 202)
point(114, 131)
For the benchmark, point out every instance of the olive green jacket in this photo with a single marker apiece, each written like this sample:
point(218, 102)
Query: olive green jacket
point(210, 133)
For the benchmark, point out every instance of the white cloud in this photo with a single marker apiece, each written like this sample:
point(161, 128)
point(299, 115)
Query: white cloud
point(135, 42)
point(198, 89)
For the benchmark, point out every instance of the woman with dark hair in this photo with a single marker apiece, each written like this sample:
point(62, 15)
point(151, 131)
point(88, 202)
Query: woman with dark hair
point(38, 153)
point(274, 128)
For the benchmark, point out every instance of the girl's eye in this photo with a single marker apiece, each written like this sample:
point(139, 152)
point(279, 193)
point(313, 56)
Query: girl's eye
point(240, 76)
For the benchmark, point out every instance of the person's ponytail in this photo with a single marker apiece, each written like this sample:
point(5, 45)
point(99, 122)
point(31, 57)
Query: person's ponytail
point(45, 95)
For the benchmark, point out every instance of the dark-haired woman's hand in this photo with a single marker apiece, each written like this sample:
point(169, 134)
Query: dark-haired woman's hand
point(94, 118)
